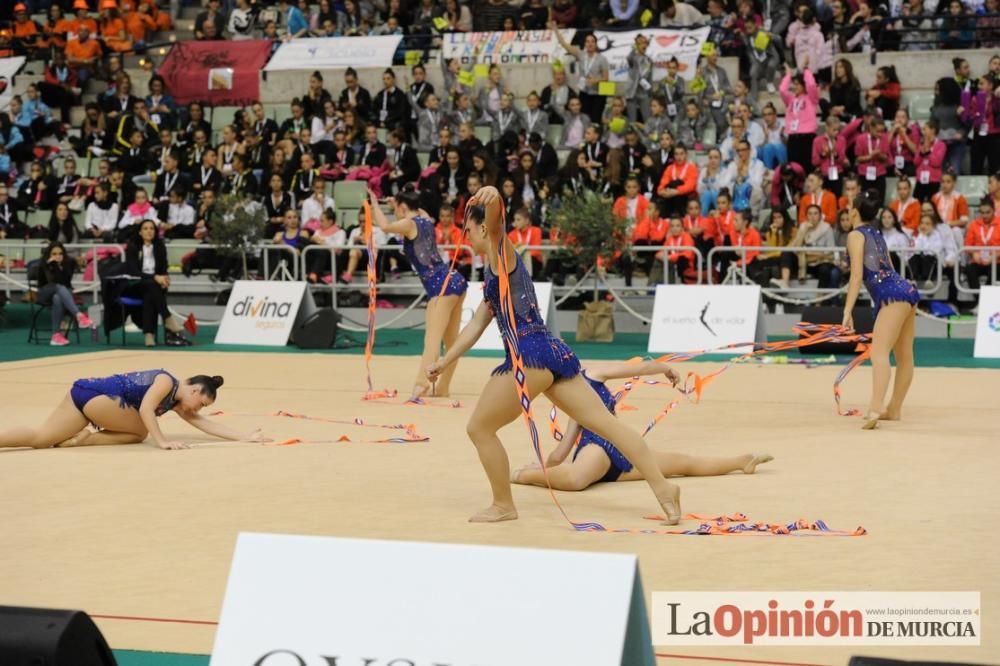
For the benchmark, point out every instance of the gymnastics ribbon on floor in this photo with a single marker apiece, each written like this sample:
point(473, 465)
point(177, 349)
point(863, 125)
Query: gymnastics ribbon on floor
point(409, 430)
point(371, 393)
point(737, 524)
point(694, 384)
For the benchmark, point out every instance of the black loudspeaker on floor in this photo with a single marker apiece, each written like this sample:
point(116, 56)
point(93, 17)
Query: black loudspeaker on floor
point(318, 331)
point(863, 323)
point(41, 636)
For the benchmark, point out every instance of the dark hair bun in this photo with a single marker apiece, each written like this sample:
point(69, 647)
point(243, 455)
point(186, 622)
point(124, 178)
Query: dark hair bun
point(217, 381)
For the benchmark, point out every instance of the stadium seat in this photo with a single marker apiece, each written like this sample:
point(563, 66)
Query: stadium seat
point(382, 134)
point(424, 158)
point(920, 106)
point(282, 112)
point(890, 188)
point(222, 116)
point(973, 187)
point(554, 134)
point(483, 134)
point(708, 139)
point(348, 196)
point(38, 218)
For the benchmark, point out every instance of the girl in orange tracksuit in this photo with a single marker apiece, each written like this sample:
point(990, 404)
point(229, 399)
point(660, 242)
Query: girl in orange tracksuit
point(113, 32)
point(679, 262)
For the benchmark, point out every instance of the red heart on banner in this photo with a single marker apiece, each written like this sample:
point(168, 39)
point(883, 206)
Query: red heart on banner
point(666, 40)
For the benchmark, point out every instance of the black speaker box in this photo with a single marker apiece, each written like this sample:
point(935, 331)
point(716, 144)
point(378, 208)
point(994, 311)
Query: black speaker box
point(863, 323)
point(877, 661)
point(318, 330)
point(39, 636)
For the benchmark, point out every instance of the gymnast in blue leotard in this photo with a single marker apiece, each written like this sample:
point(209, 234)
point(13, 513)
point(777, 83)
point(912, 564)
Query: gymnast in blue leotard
point(597, 460)
point(445, 288)
point(894, 303)
point(123, 409)
point(550, 367)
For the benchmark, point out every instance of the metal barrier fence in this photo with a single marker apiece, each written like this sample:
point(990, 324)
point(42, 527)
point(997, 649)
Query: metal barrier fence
point(27, 251)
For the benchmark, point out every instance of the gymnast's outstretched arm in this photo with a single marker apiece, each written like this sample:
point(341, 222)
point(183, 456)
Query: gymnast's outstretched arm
point(624, 370)
point(216, 429)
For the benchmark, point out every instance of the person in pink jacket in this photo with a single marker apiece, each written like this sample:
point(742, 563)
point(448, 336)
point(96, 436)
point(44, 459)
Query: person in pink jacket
point(801, 97)
point(829, 155)
point(904, 138)
point(929, 161)
point(806, 37)
point(871, 154)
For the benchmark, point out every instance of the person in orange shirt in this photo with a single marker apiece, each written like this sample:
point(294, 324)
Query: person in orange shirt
point(446, 232)
point(26, 33)
point(680, 263)
point(905, 206)
point(984, 231)
point(678, 182)
point(524, 234)
point(82, 19)
point(113, 32)
point(650, 231)
point(83, 54)
point(725, 217)
point(631, 206)
point(139, 21)
point(741, 234)
point(55, 29)
point(951, 206)
point(702, 228)
point(814, 195)
point(852, 188)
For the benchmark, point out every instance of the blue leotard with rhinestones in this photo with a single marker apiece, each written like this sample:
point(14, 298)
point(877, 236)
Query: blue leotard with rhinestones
point(883, 283)
point(619, 463)
point(538, 346)
point(424, 257)
point(128, 389)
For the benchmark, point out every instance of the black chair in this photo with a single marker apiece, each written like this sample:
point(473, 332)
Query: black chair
point(113, 287)
point(38, 309)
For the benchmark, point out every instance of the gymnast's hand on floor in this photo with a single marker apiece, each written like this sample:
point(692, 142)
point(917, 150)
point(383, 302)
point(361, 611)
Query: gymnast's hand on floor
point(258, 436)
point(848, 322)
point(170, 446)
point(672, 377)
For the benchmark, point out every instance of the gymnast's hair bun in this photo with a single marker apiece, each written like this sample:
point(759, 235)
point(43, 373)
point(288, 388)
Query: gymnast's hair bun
point(217, 381)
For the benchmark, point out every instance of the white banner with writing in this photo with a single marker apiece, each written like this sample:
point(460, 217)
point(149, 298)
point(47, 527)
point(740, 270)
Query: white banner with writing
point(693, 317)
point(261, 312)
point(8, 68)
point(664, 44)
point(988, 324)
point(504, 48)
point(319, 601)
point(330, 52)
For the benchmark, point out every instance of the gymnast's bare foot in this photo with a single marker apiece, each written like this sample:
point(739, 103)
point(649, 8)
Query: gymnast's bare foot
point(76, 440)
point(871, 420)
point(754, 459)
point(515, 476)
point(670, 502)
point(420, 390)
point(892, 414)
point(495, 513)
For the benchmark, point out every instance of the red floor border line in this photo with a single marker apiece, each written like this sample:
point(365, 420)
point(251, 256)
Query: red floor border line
point(133, 618)
point(735, 661)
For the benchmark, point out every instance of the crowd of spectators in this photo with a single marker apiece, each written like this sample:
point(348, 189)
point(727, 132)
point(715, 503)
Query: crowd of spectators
point(692, 161)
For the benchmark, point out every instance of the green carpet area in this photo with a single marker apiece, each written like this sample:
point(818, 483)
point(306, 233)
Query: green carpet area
point(139, 658)
point(930, 352)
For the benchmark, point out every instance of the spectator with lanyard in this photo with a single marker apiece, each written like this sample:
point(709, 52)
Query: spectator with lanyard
point(801, 97)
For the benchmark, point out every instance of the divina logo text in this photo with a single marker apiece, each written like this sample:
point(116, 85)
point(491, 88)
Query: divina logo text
point(249, 307)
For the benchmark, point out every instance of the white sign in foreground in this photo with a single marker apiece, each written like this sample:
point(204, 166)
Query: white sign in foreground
point(262, 312)
point(695, 317)
point(491, 338)
point(330, 52)
point(988, 324)
point(821, 619)
point(317, 601)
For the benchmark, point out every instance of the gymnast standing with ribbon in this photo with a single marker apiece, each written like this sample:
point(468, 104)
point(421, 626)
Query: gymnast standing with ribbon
point(597, 460)
point(124, 409)
point(445, 288)
point(894, 303)
point(537, 362)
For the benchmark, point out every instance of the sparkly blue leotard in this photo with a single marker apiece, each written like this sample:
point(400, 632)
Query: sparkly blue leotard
point(619, 463)
point(129, 389)
point(883, 283)
point(539, 347)
point(425, 258)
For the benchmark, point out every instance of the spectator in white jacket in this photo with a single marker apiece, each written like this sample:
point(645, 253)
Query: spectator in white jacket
point(680, 14)
point(312, 208)
point(101, 216)
point(929, 245)
point(806, 38)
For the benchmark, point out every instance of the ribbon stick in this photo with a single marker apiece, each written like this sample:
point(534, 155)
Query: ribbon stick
point(409, 435)
point(371, 393)
point(738, 524)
